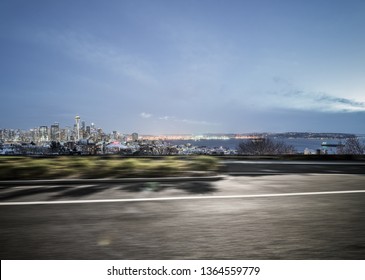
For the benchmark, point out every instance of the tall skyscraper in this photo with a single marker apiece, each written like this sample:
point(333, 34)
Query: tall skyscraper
point(55, 132)
point(77, 119)
point(43, 133)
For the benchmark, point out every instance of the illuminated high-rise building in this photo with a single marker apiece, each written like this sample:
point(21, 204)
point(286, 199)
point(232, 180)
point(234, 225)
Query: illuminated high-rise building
point(43, 133)
point(83, 133)
point(68, 134)
point(55, 132)
point(77, 119)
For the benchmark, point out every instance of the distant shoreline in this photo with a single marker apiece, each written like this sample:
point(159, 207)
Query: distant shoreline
point(228, 136)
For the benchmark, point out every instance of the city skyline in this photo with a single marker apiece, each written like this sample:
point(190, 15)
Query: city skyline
point(70, 124)
point(85, 126)
point(184, 67)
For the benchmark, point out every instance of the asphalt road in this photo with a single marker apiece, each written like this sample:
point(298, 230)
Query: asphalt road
point(286, 216)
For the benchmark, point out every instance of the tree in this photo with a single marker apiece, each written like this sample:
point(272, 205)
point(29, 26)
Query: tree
point(264, 146)
point(352, 147)
point(55, 147)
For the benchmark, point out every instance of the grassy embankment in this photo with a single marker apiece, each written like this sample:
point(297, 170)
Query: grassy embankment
point(26, 168)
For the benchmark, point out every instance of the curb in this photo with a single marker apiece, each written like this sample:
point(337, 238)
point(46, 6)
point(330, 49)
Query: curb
point(110, 181)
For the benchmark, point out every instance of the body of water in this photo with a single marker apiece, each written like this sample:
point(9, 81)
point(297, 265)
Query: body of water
point(299, 144)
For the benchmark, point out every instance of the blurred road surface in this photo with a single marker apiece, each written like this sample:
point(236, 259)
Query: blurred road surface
point(286, 216)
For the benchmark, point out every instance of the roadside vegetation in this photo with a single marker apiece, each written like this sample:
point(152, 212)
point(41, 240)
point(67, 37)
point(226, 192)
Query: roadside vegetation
point(27, 168)
point(352, 146)
point(264, 146)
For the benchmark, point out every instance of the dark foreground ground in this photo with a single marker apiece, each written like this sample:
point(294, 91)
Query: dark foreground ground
point(217, 220)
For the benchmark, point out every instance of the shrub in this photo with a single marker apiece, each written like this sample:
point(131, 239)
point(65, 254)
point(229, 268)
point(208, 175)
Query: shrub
point(264, 146)
point(204, 163)
point(352, 147)
point(12, 168)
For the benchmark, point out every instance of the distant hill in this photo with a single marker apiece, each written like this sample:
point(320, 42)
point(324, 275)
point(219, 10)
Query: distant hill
point(312, 135)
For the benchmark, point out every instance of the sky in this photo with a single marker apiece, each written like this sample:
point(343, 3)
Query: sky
point(184, 66)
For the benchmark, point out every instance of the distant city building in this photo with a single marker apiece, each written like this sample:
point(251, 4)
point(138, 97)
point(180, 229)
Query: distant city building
point(43, 133)
point(3, 135)
point(68, 134)
point(99, 135)
point(77, 132)
point(34, 135)
point(87, 132)
point(134, 137)
point(55, 132)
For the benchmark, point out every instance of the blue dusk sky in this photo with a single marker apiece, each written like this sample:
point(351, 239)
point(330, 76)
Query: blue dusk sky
point(184, 66)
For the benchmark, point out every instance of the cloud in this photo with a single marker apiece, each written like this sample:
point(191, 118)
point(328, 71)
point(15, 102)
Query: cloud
point(325, 102)
point(166, 118)
point(337, 100)
point(145, 115)
point(292, 98)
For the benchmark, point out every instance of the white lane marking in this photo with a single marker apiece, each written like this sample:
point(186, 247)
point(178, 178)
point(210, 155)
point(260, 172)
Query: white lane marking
point(177, 198)
point(52, 186)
